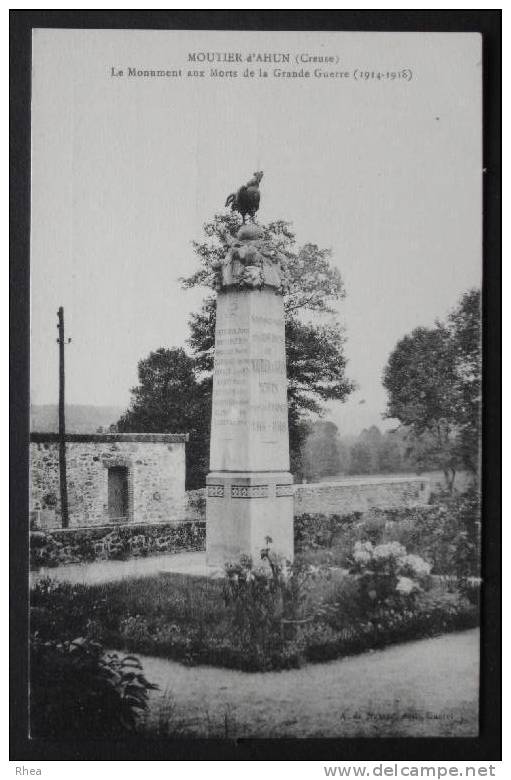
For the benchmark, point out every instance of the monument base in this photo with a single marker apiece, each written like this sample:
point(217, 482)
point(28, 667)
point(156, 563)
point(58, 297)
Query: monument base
point(242, 509)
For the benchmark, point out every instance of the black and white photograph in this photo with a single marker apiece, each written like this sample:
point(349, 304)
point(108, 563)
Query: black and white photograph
point(255, 452)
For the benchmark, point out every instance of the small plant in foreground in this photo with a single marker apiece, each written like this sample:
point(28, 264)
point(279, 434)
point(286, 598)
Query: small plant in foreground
point(78, 690)
point(264, 599)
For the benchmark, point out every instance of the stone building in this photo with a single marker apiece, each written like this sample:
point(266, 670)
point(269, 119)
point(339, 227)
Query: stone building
point(112, 478)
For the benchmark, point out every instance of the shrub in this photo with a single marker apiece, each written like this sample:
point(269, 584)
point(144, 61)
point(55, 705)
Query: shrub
point(382, 587)
point(388, 575)
point(446, 534)
point(264, 601)
point(325, 538)
point(77, 690)
point(470, 587)
point(431, 615)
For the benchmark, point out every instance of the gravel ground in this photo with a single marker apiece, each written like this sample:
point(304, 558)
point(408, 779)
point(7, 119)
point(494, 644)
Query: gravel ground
point(427, 688)
point(97, 572)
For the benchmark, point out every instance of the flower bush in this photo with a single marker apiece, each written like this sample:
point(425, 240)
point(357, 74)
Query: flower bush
point(264, 601)
point(387, 574)
point(445, 534)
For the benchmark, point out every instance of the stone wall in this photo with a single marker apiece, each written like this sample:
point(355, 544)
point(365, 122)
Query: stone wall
point(154, 465)
point(361, 494)
point(356, 494)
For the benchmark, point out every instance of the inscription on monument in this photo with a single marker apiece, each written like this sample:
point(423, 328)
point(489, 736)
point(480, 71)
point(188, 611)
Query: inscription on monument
point(250, 372)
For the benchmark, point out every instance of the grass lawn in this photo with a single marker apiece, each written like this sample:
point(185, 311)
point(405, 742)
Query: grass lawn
point(427, 688)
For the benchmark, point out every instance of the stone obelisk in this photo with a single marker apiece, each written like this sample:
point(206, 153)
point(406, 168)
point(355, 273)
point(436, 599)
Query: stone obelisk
point(249, 487)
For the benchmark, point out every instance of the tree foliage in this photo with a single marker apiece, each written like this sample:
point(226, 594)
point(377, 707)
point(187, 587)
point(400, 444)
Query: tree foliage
point(322, 451)
point(361, 460)
point(316, 364)
point(171, 399)
point(312, 282)
point(389, 455)
point(433, 381)
point(464, 324)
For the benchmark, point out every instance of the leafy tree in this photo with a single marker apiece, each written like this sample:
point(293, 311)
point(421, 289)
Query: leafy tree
point(373, 452)
point(372, 439)
point(464, 324)
point(361, 461)
point(389, 454)
point(316, 364)
point(321, 452)
point(170, 399)
point(385, 455)
point(433, 380)
point(299, 429)
point(421, 382)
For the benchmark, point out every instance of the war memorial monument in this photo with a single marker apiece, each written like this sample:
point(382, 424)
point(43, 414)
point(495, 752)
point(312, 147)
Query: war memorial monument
point(249, 487)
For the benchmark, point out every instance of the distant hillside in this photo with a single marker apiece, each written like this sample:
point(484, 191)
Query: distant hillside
point(44, 418)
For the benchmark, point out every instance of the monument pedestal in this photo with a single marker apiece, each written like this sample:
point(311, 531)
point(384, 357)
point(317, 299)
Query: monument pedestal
point(243, 510)
point(249, 489)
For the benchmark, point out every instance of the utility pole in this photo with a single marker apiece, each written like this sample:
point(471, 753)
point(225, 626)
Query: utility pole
point(62, 422)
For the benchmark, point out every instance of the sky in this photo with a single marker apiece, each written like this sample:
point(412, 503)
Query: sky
point(126, 170)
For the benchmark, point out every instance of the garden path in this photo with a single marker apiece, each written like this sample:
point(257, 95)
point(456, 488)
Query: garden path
point(427, 688)
point(98, 572)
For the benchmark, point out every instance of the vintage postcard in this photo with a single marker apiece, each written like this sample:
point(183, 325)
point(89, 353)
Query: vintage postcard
point(255, 445)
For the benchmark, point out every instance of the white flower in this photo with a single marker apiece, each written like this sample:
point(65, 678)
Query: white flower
point(417, 564)
point(389, 550)
point(405, 585)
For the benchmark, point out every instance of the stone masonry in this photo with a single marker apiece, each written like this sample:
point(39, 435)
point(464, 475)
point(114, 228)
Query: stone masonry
point(359, 495)
point(356, 494)
point(149, 468)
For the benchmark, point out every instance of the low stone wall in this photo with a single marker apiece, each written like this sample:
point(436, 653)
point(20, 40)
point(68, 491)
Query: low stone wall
point(358, 494)
point(121, 542)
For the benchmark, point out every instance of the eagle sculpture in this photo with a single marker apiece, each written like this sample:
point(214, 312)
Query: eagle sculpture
point(246, 199)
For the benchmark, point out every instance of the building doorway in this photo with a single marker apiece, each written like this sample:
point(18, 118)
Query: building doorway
point(118, 493)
